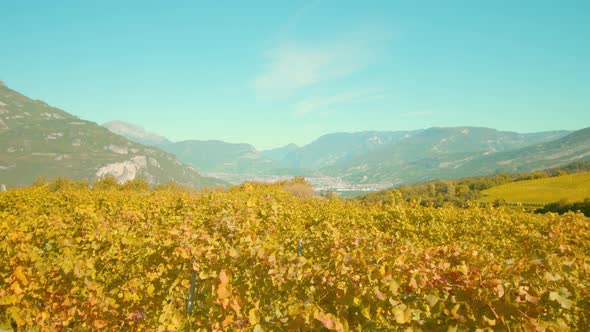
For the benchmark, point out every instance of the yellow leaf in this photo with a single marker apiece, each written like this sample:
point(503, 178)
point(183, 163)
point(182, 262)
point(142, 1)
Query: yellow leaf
point(550, 277)
point(432, 300)
point(228, 320)
point(500, 291)
point(20, 275)
point(252, 317)
point(489, 321)
point(561, 299)
point(402, 314)
point(16, 314)
point(150, 290)
point(15, 287)
point(365, 312)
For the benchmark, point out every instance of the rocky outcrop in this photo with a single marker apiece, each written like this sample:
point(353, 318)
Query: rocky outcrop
point(124, 171)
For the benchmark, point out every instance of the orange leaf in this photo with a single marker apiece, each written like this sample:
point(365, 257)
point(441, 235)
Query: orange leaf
point(326, 319)
point(223, 277)
point(223, 292)
point(99, 324)
point(15, 287)
point(236, 306)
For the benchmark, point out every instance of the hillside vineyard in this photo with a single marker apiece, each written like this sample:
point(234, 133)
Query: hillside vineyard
point(258, 258)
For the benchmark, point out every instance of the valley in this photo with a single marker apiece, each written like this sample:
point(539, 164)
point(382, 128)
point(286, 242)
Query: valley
point(39, 140)
point(353, 163)
point(256, 166)
point(319, 183)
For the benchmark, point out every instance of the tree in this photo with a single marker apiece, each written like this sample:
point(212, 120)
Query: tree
point(108, 182)
point(137, 184)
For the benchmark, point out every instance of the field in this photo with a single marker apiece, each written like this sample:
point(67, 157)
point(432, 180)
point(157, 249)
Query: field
point(572, 188)
point(259, 258)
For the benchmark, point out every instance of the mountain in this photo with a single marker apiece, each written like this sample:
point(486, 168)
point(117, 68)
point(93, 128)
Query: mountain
point(223, 159)
point(281, 153)
point(218, 156)
point(136, 133)
point(39, 140)
point(434, 152)
point(567, 149)
point(385, 158)
point(339, 147)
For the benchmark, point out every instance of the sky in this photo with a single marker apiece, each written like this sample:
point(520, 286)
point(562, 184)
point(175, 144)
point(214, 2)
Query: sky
point(270, 73)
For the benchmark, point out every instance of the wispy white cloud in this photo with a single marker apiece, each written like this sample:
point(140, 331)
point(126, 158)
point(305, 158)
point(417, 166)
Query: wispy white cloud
point(322, 102)
point(293, 66)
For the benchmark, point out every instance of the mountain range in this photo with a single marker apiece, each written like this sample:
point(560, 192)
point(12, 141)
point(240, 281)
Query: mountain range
point(443, 153)
point(39, 140)
point(387, 158)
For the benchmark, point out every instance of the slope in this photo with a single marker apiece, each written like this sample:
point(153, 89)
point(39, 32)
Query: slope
point(39, 140)
point(218, 156)
point(435, 152)
point(333, 148)
point(281, 153)
point(571, 188)
point(136, 133)
point(571, 148)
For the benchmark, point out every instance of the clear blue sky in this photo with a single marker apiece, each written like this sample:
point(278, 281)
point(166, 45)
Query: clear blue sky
point(270, 74)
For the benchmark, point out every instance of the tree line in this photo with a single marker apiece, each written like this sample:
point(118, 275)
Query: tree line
point(458, 192)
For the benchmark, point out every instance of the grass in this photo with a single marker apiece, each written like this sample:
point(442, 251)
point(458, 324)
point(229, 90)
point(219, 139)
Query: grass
point(572, 188)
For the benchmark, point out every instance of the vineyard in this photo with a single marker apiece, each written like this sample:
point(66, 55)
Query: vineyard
point(572, 188)
point(259, 258)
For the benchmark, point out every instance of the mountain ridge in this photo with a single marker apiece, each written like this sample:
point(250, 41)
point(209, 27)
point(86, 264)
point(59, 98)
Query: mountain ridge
point(39, 140)
point(365, 157)
point(438, 162)
point(136, 133)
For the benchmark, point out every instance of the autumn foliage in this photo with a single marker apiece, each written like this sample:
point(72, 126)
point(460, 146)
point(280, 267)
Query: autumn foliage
point(85, 259)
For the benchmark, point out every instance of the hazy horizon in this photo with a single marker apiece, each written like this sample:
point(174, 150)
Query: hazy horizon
point(267, 76)
point(147, 130)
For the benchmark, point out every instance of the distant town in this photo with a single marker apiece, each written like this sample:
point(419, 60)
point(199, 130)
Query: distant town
point(319, 183)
